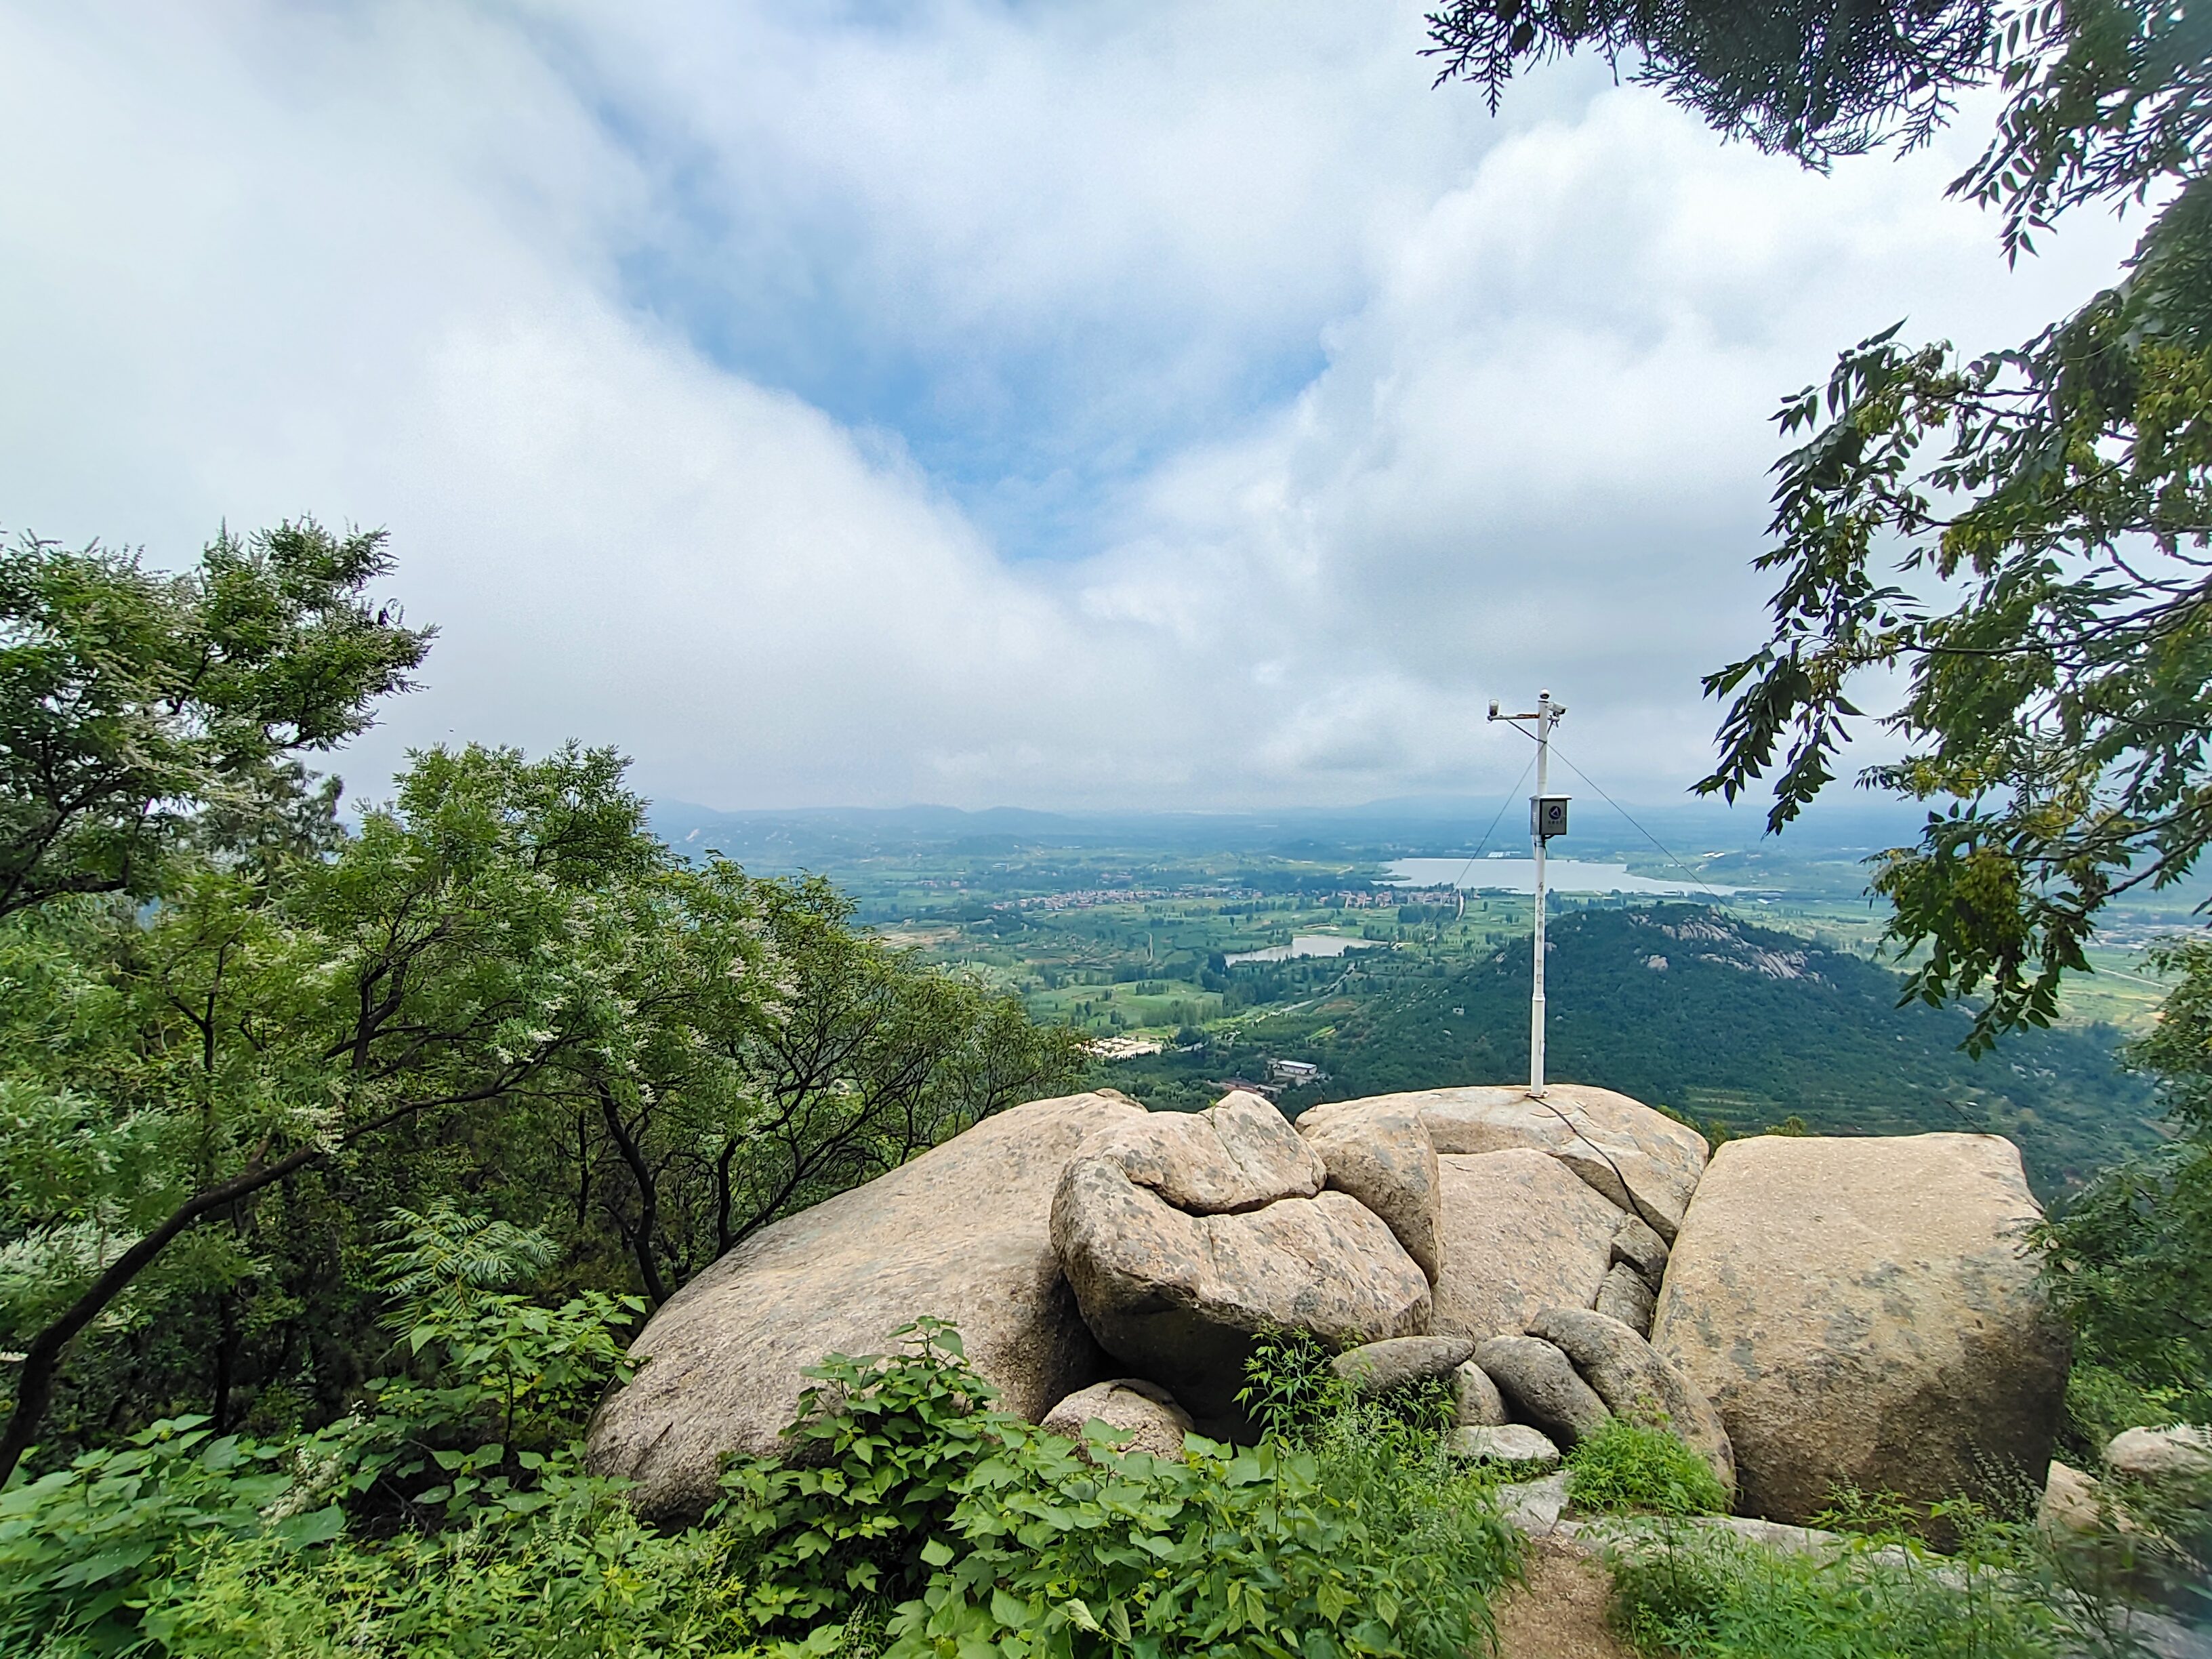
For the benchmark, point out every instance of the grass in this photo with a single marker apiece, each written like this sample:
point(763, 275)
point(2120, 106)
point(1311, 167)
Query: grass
point(1627, 1468)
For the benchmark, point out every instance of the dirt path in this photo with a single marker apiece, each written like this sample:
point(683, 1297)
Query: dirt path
point(1559, 1613)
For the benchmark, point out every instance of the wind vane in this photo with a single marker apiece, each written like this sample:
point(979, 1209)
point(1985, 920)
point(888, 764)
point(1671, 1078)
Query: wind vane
point(1548, 817)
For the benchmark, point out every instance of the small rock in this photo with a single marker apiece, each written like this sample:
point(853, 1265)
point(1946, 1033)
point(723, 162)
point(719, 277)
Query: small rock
point(1535, 1506)
point(1540, 1383)
point(1397, 1362)
point(1145, 1411)
point(1625, 1296)
point(1238, 1155)
point(1480, 1405)
point(1505, 1443)
point(2179, 1453)
point(2071, 1502)
point(1638, 1247)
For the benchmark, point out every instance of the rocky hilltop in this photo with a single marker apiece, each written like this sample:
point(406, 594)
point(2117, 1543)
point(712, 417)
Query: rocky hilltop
point(1806, 1312)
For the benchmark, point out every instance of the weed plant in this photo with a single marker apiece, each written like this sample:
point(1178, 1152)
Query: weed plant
point(1629, 1468)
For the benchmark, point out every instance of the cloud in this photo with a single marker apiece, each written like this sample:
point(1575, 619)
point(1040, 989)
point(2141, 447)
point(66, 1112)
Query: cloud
point(1135, 406)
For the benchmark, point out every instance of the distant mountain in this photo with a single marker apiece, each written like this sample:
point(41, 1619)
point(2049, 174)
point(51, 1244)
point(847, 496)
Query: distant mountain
point(1686, 1006)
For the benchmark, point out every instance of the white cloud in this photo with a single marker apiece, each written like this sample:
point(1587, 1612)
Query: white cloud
point(386, 266)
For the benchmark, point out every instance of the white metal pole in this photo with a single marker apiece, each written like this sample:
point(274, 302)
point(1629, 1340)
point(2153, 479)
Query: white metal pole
point(1536, 828)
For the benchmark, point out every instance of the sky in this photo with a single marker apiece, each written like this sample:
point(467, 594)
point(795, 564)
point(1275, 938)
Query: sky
point(1079, 406)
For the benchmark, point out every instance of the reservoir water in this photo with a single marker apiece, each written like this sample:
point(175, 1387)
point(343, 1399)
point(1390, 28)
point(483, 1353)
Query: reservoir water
point(1305, 945)
point(1519, 876)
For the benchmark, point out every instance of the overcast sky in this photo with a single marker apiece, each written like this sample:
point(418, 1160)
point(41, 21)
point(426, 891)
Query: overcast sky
point(1056, 405)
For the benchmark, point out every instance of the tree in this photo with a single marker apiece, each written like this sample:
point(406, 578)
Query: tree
point(133, 703)
point(778, 1055)
point(467, 937)
point(2046, 508)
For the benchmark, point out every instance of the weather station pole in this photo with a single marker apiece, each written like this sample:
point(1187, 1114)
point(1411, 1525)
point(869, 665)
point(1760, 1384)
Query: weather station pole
point(1548, 817)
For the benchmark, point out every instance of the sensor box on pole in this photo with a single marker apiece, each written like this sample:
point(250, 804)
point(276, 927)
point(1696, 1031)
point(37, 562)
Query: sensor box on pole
point(1547, 816)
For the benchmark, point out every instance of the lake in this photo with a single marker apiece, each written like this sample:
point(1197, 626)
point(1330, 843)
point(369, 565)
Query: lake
point(1305, 945)
point(1519, 876)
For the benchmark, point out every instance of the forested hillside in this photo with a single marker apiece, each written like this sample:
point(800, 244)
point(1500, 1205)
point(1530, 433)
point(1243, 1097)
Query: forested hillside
point(1736, 1026)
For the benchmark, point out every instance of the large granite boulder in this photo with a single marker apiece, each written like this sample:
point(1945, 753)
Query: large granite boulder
point(1382, 1156)
point(962, 1233)
point(1647, 1163)
point(1634, 1382)
point(1521, 1232)
point(1180, 1295)
point(1863, 1311)
point(1145, 1412)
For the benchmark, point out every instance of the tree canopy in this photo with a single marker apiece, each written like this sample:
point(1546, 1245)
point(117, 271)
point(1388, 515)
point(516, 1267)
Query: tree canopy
point(2021, 531)
point(235, 1033)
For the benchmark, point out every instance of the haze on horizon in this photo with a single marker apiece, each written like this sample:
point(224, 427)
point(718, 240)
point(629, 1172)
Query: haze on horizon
point(1122, 406)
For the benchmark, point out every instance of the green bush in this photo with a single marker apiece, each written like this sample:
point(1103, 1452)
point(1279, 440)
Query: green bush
point(1627, 1467)
point(1253, 1551)
point(1706, 1595)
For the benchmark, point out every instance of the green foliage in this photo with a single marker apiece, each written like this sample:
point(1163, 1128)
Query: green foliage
point(1810, 79)
point(581, 1578)
point(1704, 1595)
point(2128, 1260)
point(894, 1435)
point(132, 701)
point(1289, 1385)
point(1627, 1467)
point(1828, 1046)
point(2021, 535)
point(77, 1544)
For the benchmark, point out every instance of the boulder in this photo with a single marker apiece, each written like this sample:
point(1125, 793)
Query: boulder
point(962, 1233)
point(1639, 1248)
point(1180, 1298)
point(1646, 1162)
point(1520, 1233)
point(2156, 1455)
point(1480, 1404)
point(1237, 1154)
point(1145, 1411)
point(1635, 1382)
point(1542, 1386)
point(1510, 1442)
point(1625, 1296)
point(1398, 1362)
point(1862, 1311)
point(1383, 1157)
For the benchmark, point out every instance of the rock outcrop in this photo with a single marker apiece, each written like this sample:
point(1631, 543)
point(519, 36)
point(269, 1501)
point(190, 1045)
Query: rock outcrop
point(1634, 1382)
point(1145, 1411)
point(1862, 1311)
point(1646, 1162)
point(1382, 1156)
point(1520, 1233)
point(1179, 1295)
point(962, 1233)
point(1541, 1387)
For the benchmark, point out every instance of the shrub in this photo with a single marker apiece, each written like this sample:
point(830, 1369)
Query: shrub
point(891, 1436)
point(1706, 1595)
point(1626, 1467)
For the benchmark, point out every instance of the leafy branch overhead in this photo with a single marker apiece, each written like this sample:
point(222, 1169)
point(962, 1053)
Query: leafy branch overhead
point(2020, 535)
